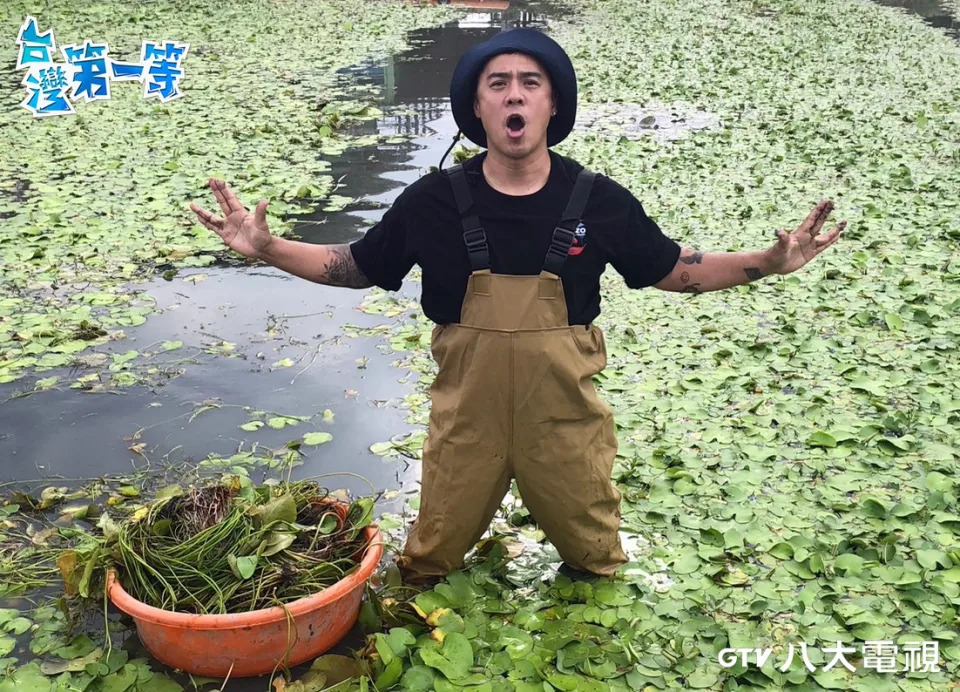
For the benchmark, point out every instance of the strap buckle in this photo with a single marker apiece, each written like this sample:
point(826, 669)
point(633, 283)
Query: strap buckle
point(561, 241)
point(475, 238)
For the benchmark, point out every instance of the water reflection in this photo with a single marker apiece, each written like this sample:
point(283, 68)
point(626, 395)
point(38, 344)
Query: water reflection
point(412, 89)
point(419, 79)
point(934, 12)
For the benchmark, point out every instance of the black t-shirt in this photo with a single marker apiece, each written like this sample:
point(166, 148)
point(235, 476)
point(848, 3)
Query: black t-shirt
point(423, 227)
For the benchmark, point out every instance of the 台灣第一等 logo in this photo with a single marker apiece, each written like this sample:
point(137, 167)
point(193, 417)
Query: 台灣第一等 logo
point(88, 71)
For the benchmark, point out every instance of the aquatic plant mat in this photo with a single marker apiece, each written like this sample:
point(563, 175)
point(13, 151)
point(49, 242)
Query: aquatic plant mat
point(92, 202)
point(788, 454)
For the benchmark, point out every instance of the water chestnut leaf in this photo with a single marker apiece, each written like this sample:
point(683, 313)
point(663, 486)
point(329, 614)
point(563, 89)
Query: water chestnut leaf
point(317, 438)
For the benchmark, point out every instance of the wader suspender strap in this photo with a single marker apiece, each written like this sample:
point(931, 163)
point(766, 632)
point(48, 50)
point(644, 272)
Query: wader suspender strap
point(473, 233)
point(563, 234)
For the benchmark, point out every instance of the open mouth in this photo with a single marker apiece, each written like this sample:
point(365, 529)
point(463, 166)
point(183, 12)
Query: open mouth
point(515, 125)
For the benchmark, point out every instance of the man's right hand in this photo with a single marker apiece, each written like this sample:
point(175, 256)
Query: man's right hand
point(242, 231)
point(246, 233)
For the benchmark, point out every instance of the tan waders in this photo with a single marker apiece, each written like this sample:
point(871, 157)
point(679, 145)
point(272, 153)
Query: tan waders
point(514, 399)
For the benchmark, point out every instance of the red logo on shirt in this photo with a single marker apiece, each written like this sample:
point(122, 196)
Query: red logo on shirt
point(579, 240)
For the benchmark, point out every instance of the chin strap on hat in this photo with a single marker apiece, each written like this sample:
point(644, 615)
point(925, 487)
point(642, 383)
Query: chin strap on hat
point(456, 138)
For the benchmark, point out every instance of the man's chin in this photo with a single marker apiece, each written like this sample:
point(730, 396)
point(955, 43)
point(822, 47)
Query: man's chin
point(516, 149)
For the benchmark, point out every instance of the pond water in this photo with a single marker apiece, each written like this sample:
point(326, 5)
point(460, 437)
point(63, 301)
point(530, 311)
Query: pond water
point(936, 13)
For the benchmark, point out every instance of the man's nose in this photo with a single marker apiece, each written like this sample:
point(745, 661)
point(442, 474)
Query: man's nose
point(515, 95)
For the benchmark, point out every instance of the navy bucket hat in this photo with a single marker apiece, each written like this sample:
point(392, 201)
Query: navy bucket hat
point(563, 79)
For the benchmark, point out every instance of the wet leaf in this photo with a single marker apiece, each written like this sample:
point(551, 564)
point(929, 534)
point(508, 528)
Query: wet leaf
point(17, 626)
point(317, 438)
point(161, 683)
point(73, 666)
point(242, 567)
point(702, 678)
point(280, 509)
point(280, 422)
point(931, 559)
point(120, 681)
point(67, 564)
point(849, 563)
point(27, 678)
point(277, 542)
point(874, 508)
point(169, 491)
point(368, 619)
point(686, 564)
point(390, 676)
point(400, 640)
point(91, 562)
point(869, 633)
point(418, 678)
point(454, 659)
point(822, 439)
point(338, 668)
point(78, 647)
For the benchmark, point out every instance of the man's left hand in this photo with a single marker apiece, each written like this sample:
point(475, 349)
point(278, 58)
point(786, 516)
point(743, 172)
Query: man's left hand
point(794, 250)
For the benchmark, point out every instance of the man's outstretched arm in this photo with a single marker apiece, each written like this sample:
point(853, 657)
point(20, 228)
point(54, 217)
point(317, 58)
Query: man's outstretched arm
point(247, 233)
point(332, 265)
point(699, 272)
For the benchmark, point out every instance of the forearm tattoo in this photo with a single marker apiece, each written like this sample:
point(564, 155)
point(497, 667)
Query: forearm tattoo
point(342, 270)
point(695, 258)
point(689, 287)
point(753, 273)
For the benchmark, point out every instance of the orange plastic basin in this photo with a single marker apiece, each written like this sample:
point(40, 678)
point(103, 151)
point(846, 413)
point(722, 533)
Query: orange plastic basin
point(252, 643)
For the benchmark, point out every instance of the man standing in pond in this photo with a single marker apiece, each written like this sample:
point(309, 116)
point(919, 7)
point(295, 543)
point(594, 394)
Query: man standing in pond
point(511, 245)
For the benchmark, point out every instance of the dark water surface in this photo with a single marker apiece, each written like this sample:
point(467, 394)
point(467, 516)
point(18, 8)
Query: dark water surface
point(935, 13)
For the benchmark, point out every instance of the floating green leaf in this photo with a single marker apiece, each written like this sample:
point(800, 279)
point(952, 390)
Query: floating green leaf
point(317, 438)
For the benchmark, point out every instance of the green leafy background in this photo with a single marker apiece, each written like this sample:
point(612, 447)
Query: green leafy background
point(788, 449)
point(92, 201)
